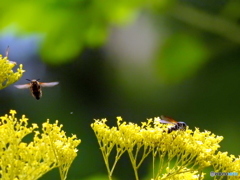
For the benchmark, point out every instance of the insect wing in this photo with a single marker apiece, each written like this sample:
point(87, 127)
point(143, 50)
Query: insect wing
point(167, 120)
point(7, 51)
point(49, 84)
point(23, 86)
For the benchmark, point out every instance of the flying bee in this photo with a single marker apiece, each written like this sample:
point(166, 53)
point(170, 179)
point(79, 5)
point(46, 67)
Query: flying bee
point(35, 87)
point(176, 125)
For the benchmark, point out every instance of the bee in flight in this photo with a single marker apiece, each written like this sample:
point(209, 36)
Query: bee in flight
point(176, 125)
point(35, 87)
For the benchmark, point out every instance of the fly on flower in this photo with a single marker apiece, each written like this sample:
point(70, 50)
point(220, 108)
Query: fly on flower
point(35, 87)
point(176, 125)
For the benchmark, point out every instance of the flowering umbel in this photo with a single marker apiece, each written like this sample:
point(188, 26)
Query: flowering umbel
point(49, 149)
point(7, 76)
point(176, 155)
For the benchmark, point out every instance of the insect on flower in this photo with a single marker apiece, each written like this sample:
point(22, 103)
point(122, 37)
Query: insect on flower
point(35, 87)
point(176, 125)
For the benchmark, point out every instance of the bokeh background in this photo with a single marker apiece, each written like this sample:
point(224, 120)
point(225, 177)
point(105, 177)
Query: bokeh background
point(137, 59)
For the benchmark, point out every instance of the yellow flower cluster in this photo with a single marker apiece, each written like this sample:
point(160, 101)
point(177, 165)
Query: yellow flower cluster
point(176, 155)
point(7, 76)
point(49, 149)
point(224, 163)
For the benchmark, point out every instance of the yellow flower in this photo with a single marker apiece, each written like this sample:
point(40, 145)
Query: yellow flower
point(7, 76)
point(49, 149)
point(177, 155)
point(223, 163)
point(107, 141)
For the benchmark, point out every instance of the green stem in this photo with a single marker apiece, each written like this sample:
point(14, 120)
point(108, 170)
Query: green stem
point(106, 152)
point(133, 161)
point(153, 161)
point(117, 157)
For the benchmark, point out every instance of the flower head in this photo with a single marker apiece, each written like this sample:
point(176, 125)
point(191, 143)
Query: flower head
point(222, 162)
point(49, 149)
point(178, 154)
point(7, 76)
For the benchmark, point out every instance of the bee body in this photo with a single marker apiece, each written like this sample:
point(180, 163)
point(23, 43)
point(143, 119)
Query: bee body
point(179, 126)
point(36, 87)
point(176, 125)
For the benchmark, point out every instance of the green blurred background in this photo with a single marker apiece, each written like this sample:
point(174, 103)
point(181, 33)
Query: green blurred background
point(137, 59)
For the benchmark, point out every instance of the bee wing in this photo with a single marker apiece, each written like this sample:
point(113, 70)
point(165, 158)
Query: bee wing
point(7, 51)
point(23, 86)
point(49, 84)
point(167, 120)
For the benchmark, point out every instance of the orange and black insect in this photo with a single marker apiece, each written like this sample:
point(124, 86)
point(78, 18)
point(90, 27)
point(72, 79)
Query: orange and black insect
point(35, 87)
point(176, 125)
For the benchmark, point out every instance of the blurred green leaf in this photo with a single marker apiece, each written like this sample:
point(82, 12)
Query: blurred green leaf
point(180, 57)
point(69, 26)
